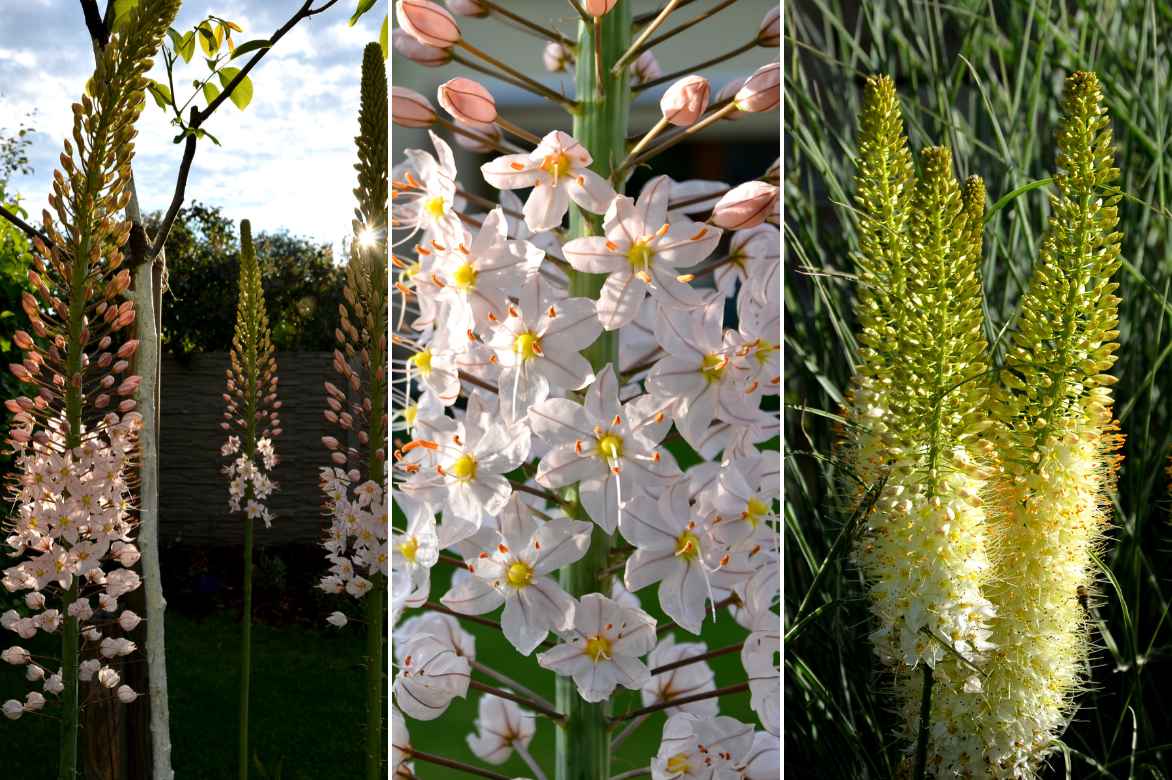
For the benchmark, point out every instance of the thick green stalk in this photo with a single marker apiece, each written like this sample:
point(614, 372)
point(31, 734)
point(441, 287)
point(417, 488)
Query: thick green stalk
point(246, 649)
point(376, 608)
point(600, 124)
point(69, 697)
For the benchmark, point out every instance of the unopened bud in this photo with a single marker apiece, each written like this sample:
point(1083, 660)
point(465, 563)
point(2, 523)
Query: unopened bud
point(645, 68)
point(745, 206)
point(428, 22)
point(490, 133)
point(685, 101)
point(556, 57)
point(468, 8)
point(762, 90)
point(410, 109)
point(770, 33)
point(598, 8)
point(419, 53)
point(468, 101)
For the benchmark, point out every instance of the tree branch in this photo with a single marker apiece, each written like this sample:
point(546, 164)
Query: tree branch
point(25, 227)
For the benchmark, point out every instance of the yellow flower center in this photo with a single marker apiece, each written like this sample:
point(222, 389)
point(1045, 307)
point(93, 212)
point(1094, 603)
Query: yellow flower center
point(713, 367)
point(556, 165)
point(410, 271)
point(422, 361)
point(524, 345)
point(755, 509)
point(610, 447)
point(519, 574)
point(464, 468)
point(639, 256)
point(679, 763)
point(409, 548)
point(598, 648)
point(464, 277)
point(764, 348)
point(435, 206)
point(409, 415)
point(687, 546)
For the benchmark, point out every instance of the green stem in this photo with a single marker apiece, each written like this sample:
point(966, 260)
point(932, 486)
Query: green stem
point(925, 726)
point(246, 649)
point(69, 697)
point(375, 616)
point(600, 124)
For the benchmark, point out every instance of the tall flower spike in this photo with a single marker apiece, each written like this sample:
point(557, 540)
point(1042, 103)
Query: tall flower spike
point(1058, 441)
point(79, 414)
point(919, 403)
point(252, 411)
point(356, 487)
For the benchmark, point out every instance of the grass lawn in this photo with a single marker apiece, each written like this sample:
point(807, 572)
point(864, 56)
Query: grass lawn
point(307, 703)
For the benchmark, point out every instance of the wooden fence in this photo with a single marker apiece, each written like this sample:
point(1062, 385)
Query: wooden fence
point(193, 494)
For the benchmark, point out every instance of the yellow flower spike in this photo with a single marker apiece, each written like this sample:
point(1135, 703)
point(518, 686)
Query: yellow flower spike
point(1058, 441)
point(918, 400)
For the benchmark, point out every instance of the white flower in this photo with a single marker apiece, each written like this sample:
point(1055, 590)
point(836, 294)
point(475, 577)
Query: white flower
point(430, 676)
point(337, 619)
point(538, 345)
point(744, 494)
point(763, 761)
point(126, 694)
point(429, 206)
point(610, 449)
point(558, 170)
point(401, 768)
point(605, 648)
point(701, 748)
point(415, 550)
point(471, 458)
point(516, 571)
point(500, 726)
point(34, 702)
point(444, 628)
point(704, 375)
point(764, 673)
point(15, 655)
point(642, 252)
point(12, 709)
point(682, 681)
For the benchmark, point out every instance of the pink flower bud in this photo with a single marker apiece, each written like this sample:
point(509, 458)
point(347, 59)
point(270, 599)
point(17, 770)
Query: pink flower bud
point(468, 8)
point(126, 694)
point(770, 33)
point(556, 57)
point(490, 133)
point(419, 53)
point(685, 101)
point(410, 109)
point(645, 68)
point(598, 8)
point(745, 206)
point(33, 701)
point(762, 90)
point(129, 620)
point(429, 23)
point(34, 600)
point(467, 100)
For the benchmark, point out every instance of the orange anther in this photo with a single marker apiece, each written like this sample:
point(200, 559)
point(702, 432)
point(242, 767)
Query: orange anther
point(700, 234)
point(516, 166)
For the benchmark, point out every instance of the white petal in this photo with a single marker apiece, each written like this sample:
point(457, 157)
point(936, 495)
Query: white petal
point(590, 191)
point(546, 206)
point(593, 255)
point(502, 173)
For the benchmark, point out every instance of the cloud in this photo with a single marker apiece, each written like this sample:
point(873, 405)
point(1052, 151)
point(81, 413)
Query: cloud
point(286, 162)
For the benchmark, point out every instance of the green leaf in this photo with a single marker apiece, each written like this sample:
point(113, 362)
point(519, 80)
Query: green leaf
point(363, 7)
point(160, 93)
point(250, 46)
point(242, 95)
point(210, 91)
point(383, 35)
point(208, 40)
point(186, 46)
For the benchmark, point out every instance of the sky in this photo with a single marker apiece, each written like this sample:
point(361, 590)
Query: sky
point(287, 162)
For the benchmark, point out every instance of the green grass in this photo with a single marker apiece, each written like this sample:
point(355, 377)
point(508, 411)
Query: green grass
point(307, 712)
point(984, 78)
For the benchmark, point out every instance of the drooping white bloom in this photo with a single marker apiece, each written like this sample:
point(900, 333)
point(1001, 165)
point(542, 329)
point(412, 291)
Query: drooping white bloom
point(764, 673)
point(500, 726)
point(558, 170)
point(443, 627)
point(682, 681)
point(603, 648)
point(641, 251)
point(401, 768)
point(763, 761)
point(429, 677)
point(701, 748)
point(515, 571)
